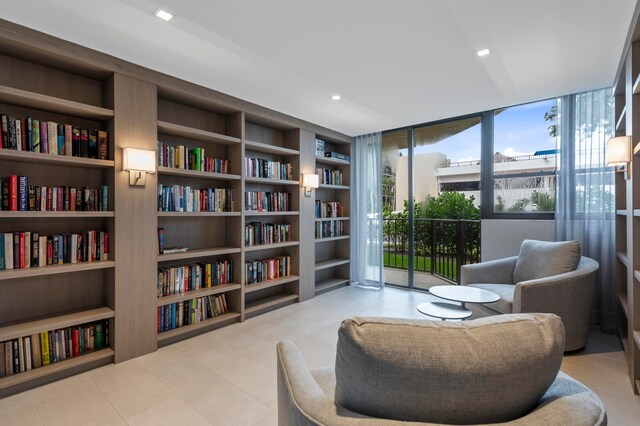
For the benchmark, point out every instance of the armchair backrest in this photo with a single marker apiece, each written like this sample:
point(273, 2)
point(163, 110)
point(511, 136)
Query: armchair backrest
point(541, 259)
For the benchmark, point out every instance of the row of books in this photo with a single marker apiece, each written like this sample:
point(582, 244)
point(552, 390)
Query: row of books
point(261, 201)
point(329, 176)
point(260, 270)
point(18, 195)
point(175, 315)
point(186, 278)
point(49, 137)
point(40, 349)
point(329, 209)
point(184, 157)
point(261, 168)
point(21, 250)
point(177, 198)
point(256, 233)
point(334, 228)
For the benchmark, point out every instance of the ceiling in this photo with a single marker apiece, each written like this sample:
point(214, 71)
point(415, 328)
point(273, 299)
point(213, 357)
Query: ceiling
point(394, 63)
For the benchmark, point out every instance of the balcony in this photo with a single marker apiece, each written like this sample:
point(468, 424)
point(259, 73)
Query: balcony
point(441, 247)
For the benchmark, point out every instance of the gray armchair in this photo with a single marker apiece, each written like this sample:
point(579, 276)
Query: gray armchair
point(498, 370)
point(527, 283)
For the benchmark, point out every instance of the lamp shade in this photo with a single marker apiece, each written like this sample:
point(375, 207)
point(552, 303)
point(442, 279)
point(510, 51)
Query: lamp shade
point(619, 150)
point(310, 181)
point(139, 160)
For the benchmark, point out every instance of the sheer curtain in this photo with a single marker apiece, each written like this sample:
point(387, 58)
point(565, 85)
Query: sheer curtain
point(366, 212)
point(585, 190)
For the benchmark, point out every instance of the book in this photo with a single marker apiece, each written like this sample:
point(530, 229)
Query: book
point(160, 240)
point(35, 351)
point(176, 249)
point(319, 148)
point(44, 348)
point(28, 360)
point(23, 194)
point(93, 143)
point(8, 358)
point(103, 145)
point(339, 156)
point(35, 132)
point(8, 250)
point(2, 361)
point(13, 193)
point(68, 139)
point(52, 133)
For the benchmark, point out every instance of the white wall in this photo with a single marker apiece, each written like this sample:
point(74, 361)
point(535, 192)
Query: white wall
point(502, 238)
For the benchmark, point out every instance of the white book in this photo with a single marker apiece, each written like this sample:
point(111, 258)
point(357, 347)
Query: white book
point(54, 198)
point(63, 344)
point(19, 139)
point(21, 353)
point(27, 353)
point(8, 250)
point(52, 135)
point(43, 199)
point(74, 248)
point(42, 249)
point(27, 249)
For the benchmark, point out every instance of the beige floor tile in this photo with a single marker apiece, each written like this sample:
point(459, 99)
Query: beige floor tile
point(61, 386)
point(256, 380)
point(217, 358)
point(15, 401)
point(171, 413)
point(115, 376)
point(82, 405)
point(24, 415)
point(270, 420)
point(135, 397)
point(222, 403)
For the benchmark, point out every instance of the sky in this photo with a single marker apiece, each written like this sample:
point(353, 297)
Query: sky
point(519, 130)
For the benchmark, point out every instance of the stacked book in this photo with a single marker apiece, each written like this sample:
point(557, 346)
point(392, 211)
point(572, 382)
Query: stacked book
point(186, 278)
point(184, 157)
point(329, 176)
point(259, 201)
point(256, 233)
point(177, 198)
point(333, 228)
point(189, 312)
point(260, 270)
point(259, 167)
point(329, 209)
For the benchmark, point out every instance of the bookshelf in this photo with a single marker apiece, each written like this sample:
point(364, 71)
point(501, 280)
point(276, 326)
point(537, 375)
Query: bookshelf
point(332, 240)
point(190, 130)
point(268, 148)
point(43, 298)
point(54, 80)
point(627, 109)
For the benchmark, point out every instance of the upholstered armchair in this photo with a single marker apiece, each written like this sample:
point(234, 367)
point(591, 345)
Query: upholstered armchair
point(397, 372)
point(545, 277)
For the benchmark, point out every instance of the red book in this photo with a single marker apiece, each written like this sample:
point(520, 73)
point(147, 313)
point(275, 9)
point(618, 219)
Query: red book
point(23, 134)
point(22, 250)
point(106, 246)
point(13, 193)
point(16, 250)
point(60, 199)
point(49, 199)
point(44, 137)
point(75, 337)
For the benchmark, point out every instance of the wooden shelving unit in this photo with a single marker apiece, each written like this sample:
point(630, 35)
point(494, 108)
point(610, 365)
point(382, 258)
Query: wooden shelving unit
point(269, 141)
point(332, 253)
point(627, 108)
point(52, 80)
point(48, 298)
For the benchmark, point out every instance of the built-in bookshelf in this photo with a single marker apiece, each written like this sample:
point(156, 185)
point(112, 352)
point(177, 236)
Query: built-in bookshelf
point(53, 284)
point(271, 213)
point(627, 108)
point(199, 155)
point(203, 139)
point(332, 213)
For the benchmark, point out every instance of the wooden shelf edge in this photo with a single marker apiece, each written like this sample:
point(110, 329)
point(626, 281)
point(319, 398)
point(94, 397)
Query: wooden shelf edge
point(269, 149)
point(194, 294)
point(67, 364)
point(331, 264)
point(201, 214)
point(269, 302)
point(250, 288)
point(326, 186)
point(196, 174)
point(269, 181)
point(192, 254)
point(335, 161)
point(54, 322)
point(259, 247)
point(185, 329)
point(25, 98)
point(624, 303)
point(254, 213)
point(10, 274)
point(327, 219)
point(56, 160)
point(47, 214)
point(324, 240)
point(197, 134)
point(623, 258)
point(330, 284)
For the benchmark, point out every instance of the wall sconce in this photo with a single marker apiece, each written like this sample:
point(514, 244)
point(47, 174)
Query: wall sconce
point(309, 182)
point(619, 153)
point(138, 162)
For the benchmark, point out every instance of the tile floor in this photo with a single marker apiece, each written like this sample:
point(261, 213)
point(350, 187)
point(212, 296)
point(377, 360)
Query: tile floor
point(228, 376)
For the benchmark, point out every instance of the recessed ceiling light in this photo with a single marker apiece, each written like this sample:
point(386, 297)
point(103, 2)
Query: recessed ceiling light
point(164, 15)
point(483, 52)
point(336, 97)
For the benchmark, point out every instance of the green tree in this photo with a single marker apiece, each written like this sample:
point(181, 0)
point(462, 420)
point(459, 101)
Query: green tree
point(552, 116)
point(450, 205)
point(543, 202)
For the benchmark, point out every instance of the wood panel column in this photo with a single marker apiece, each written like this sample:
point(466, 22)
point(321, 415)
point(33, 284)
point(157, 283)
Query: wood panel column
point(134, 298)
point(307, 219)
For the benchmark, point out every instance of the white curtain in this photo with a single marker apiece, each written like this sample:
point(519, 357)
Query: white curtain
point(366, 211)
point(585, 209)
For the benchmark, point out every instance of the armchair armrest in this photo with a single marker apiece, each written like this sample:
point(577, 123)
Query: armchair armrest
point(492, 272)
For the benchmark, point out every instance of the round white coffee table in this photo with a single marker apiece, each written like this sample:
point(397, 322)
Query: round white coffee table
point(444, 310)
point(464, 294)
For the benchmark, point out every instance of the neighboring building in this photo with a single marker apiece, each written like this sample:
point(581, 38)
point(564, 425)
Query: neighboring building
point(434, 174)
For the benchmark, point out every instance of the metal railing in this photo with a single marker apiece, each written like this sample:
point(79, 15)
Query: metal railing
point(504, 159)
point(441, 246)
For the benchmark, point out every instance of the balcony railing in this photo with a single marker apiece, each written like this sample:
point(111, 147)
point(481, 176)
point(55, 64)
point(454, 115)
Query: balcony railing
point(441, 246)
